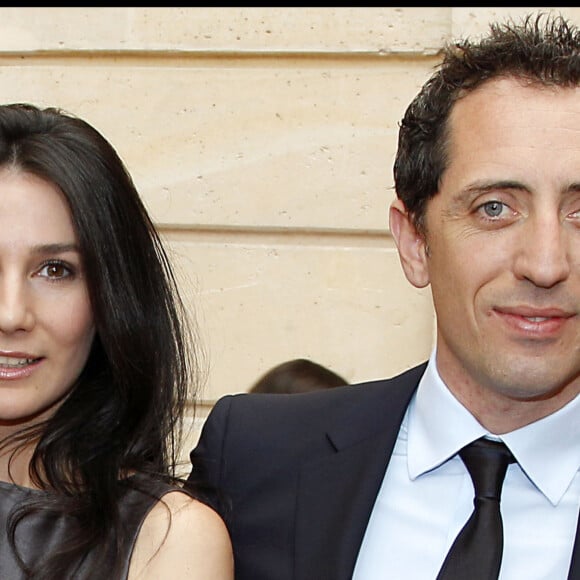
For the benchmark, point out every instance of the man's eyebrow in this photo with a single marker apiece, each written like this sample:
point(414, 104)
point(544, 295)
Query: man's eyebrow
point(470, 192)
point(484, 186)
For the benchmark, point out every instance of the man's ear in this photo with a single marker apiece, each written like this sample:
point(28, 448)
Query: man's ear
point(410, 243)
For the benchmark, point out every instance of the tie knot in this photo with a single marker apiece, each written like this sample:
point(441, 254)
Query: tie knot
point(487, 463)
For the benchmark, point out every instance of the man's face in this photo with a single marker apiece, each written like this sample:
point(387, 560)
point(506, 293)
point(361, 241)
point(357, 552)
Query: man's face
point(502, 250)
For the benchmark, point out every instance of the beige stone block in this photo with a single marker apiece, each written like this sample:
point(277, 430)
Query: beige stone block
point(61, 29)
point(226, 29)
point(244, 30)
point(261, 145)
point(262, 299)
point(301, 29)
point(294, 138)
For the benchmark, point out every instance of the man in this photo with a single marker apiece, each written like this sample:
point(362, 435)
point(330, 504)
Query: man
point(365, 481)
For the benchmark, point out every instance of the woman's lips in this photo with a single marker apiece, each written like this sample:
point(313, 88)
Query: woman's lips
point(17, 367)
point(10, 361)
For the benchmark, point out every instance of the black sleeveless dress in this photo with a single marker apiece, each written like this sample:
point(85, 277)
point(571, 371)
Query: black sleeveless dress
point(42, 533)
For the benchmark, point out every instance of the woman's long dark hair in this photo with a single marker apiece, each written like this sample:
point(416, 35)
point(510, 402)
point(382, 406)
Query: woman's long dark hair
point(124, 413)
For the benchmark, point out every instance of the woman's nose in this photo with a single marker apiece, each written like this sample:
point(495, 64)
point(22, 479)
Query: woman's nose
point(16, 308)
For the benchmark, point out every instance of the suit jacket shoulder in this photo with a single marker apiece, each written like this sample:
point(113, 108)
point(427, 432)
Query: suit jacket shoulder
point(296, 475)
point(295, 426)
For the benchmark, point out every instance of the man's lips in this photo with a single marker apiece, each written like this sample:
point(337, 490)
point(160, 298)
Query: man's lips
point(535, 322)
point(533, 312)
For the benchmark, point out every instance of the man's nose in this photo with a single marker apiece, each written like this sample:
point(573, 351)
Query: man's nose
point(544, 253)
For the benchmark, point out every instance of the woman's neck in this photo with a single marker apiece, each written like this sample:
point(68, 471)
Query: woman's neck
point(15, 465)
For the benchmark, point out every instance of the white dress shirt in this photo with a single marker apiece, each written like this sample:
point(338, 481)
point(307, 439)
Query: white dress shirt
point(427, 494)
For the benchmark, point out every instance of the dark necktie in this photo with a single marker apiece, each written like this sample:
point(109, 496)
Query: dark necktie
point(476, 552)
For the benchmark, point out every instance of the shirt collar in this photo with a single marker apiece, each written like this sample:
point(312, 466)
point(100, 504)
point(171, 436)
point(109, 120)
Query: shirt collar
point(547, 450)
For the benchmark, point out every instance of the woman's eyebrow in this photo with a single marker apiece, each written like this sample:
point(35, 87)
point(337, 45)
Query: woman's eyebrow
point(56, 248)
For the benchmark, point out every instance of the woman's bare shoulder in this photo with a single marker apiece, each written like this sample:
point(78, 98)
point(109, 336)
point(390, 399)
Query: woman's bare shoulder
point(182, 538)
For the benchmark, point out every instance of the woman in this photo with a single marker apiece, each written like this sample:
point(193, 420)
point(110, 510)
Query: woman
point(94, 370)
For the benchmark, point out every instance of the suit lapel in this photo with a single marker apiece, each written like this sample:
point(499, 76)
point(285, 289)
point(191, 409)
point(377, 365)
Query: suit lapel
point(336, 493)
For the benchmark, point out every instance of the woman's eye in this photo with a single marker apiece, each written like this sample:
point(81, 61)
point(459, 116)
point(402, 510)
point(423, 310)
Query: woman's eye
point(55, 271)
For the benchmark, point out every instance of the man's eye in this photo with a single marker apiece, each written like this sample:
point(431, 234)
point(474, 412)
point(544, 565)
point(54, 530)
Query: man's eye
point(493, 208)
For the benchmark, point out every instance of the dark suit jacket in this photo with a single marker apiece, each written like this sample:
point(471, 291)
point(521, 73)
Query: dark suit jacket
point(298, 474)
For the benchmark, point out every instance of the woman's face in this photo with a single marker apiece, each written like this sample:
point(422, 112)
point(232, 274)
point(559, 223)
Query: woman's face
point(46, 322)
